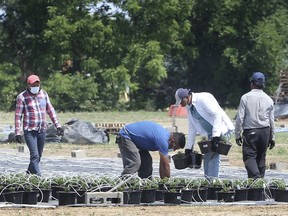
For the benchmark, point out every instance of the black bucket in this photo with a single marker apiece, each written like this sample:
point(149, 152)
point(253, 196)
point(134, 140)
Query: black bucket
point(196, 160)
point(181, 162)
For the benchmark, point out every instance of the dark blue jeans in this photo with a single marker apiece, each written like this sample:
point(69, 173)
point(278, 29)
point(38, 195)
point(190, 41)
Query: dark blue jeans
point(35, 141)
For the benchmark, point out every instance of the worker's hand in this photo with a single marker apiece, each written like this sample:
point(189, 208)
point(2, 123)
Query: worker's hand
point(188, 151)
point(239, 141)
point(60, 131)
point(271, 144)
point(18, 138)
point(215, 141)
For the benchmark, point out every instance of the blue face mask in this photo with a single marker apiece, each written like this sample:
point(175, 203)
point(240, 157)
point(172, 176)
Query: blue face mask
point(170, 150)
point(34, 90)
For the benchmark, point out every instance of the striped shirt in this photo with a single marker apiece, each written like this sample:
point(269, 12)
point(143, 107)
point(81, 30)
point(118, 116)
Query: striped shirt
point(33, 108)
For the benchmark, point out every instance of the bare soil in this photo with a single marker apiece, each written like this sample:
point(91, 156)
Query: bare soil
point(151, 210)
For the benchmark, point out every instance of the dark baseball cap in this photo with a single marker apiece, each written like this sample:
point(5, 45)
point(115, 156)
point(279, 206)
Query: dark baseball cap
point(258, 77)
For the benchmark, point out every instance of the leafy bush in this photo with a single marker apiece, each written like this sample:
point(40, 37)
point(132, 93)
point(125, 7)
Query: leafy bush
point(9, 86)
point(72, 92)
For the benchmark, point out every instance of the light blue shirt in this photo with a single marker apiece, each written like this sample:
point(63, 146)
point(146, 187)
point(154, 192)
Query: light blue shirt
point(205, 124)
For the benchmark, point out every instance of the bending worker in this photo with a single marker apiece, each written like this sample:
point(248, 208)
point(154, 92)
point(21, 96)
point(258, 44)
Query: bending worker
point(135, 140)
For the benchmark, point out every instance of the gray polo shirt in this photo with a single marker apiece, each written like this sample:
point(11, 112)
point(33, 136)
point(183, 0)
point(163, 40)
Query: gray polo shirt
point(256, 110)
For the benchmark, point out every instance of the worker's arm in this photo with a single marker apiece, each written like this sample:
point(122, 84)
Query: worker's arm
point(164, 168)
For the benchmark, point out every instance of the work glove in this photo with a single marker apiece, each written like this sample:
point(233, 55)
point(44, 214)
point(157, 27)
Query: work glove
point(60, 131)
point(271, 144)
point(18, 138)
point(188, 151)
point(239, 141)
point(216, 139)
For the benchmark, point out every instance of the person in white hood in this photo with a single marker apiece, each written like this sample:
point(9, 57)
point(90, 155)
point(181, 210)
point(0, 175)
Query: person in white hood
point(207, 118)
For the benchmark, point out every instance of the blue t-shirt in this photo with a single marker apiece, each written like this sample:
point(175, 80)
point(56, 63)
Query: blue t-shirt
point(147, 136)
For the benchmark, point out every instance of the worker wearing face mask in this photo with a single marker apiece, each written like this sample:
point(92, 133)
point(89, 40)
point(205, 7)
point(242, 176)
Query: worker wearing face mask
point(31, 107)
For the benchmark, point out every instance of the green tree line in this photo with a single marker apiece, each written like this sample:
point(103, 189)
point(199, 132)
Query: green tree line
point(133, 54)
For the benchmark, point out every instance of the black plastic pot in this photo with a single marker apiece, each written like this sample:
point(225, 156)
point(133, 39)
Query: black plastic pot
point(223, 196)
point(44, 195)
point(181, 162)
point(205, 146)
point(281, 195)
point(80, 196)
point(14, 197)
point(148, 196)
point(222, 148)
point(186, 196)
point(132, 197)
point(256, 194)
point(199, 194)
point(159, 195)
point(241, 194)
point(66, 198)
point(172, 197)
point(2, 198)
point(30, 197)
point(211, 192)
point(271, 191)
point(196, 160)
point(54, 191)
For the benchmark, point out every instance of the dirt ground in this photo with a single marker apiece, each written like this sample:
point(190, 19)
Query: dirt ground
point(152, 210)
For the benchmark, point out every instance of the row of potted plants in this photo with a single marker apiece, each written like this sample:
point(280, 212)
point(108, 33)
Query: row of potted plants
point(32, 189)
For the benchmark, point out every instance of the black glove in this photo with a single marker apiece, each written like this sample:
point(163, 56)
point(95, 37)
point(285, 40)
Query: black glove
point(239, 141)
point(271, 144)
point(18, 138)
point(215, 141)
point(60, 131)
point(188, 151)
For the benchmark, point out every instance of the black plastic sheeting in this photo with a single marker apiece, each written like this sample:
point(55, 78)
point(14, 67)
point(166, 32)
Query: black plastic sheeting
point(281, 111)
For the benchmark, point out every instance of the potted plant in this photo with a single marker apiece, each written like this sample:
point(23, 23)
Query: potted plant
point(222, 147)
point(280, 190)
point(149, 188)
point(205, 145)
point(216, 184)
point(196, 160)
point(241, 190)
point(256, 189)
point(226, 194)
point(172, 196)
point(181, 160)
point(131, 191)
point(66, 196)
point(12, 195)
point(44, 186)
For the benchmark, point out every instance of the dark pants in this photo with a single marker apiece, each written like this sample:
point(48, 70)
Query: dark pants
point(35, 142)
point(134, 160)
point(255, 143)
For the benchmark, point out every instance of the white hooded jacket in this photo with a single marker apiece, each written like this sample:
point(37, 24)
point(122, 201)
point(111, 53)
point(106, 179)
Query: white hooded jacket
point(208, 107)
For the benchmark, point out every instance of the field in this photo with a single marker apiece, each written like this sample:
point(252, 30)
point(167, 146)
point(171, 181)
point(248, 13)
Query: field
point(279, 153)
